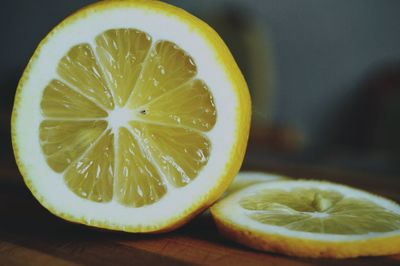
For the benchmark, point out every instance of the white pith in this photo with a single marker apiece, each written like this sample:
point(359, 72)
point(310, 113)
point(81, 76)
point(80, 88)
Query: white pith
point(230, 210)
point(50, 186)
point(120, 117)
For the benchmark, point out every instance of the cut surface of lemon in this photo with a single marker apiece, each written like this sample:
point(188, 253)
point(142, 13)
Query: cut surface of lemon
point(131, 115)
point(310, 219)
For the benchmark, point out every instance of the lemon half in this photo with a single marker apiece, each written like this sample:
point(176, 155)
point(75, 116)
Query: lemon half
point(131, 115)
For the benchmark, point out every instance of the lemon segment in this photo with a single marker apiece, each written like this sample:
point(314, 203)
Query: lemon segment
point(122, 53)
point(167, 67)
point(59, 101)
point(63, 142)
point(180, 153)
point(138, 181)
point(193, 108)
point(81, 69)
point(91, 177)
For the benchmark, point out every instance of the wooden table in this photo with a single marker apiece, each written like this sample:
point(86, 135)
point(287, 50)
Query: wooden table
point(29, 235)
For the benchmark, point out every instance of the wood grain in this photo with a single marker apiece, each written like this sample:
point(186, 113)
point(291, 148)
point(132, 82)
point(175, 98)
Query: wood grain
point(29, 235)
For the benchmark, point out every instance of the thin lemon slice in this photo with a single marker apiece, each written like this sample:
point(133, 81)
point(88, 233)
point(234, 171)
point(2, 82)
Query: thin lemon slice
point(131, 115)
point(310, 219)
point(247, 178)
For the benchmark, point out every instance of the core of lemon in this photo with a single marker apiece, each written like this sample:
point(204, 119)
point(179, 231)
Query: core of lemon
point(128, 115)
point(310, 219)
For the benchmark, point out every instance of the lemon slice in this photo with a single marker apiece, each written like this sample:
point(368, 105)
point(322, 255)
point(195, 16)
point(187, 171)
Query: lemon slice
point(310, 219)
point(248, 178)
point(131, 115)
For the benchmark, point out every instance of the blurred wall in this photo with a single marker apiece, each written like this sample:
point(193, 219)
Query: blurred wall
point(321, 51)
point(23, 23)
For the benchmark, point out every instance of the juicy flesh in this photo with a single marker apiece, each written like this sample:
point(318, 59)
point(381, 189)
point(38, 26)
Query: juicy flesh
point(319, 211)
point(127, 119)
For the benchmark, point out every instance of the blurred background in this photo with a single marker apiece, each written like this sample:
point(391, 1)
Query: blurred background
point(324, 76)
